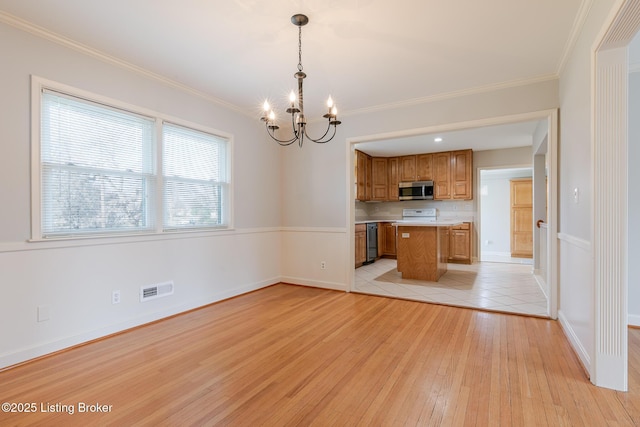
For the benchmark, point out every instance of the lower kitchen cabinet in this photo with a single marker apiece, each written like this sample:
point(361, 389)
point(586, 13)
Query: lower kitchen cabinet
point(361, 244)
point(460, 243)
point(388, 239)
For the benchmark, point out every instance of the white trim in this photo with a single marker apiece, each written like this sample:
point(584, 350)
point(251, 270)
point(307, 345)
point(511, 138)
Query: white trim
point(581, 352)
point(585, 245)
point(451, 95)
point(25, 354)
point(39, 83)
point(89, 51)
point(634, 320)
point(314, 229)
point(551, 115)
point(609, 216)
point(302, 281)
point(129, 239)
point(578, 24)
point(448, 127)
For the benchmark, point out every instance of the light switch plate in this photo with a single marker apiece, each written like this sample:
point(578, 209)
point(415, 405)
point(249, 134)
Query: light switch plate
point(43, 313)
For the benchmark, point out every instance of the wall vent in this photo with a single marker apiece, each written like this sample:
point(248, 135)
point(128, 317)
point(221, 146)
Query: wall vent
point(158, 290)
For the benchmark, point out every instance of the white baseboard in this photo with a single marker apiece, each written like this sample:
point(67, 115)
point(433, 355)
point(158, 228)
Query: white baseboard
point(634, 320)
point(314, 283)
point(542, 283)
point(575, 342)
point(25, 354)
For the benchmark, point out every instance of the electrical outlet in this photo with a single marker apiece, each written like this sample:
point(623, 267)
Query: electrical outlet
point(115, 297)
point(323, 265)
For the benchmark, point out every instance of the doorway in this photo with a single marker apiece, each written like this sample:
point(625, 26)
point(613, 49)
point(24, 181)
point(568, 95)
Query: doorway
point(494, 238)
point(550, 130)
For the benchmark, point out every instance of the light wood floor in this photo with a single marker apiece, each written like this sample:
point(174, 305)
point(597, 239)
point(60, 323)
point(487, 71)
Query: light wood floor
point(289, 355)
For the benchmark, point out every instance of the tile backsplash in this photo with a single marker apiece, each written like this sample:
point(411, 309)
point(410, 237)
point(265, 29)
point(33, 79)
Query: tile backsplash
point(393, 210)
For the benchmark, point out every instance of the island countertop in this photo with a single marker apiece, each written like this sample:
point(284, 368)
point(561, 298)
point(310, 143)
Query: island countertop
point(438, 223)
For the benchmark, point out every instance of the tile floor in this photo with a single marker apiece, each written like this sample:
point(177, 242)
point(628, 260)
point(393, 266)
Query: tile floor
point(489, 286)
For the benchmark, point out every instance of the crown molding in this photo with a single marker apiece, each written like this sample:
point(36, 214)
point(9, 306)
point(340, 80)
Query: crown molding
point(79, 47)
point(450, 95)
point(576, 29)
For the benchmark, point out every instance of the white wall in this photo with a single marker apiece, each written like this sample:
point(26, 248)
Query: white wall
point(634, 197)
point(75, 279)
point(576, 309)
point(317, 180)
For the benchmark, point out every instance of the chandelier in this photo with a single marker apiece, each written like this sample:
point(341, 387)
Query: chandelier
point(298, 120)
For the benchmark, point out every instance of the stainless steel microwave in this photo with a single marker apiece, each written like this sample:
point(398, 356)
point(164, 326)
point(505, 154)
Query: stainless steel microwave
point(418, 190)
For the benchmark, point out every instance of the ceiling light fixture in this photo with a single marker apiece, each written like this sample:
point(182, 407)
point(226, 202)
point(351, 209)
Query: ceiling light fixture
point(437, 139)
point(298, 121)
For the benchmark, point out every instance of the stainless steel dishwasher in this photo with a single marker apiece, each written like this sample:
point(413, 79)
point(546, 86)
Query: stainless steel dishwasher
point(372, 242)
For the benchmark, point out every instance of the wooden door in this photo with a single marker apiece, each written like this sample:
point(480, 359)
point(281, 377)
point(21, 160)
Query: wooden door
point(521, 218)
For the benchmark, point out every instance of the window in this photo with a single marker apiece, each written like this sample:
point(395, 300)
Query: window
point(99, 171)
point(195, 187)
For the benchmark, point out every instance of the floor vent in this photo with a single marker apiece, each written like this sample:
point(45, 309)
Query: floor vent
point(156, 291)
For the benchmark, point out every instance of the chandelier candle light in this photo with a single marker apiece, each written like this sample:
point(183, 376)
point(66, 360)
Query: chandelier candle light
point(298, 121)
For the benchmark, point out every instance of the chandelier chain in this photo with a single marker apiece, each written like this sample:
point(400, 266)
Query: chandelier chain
point(299, 48)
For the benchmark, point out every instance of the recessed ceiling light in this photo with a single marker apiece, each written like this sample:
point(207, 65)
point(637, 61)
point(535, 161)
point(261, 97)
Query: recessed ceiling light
point(438, 139)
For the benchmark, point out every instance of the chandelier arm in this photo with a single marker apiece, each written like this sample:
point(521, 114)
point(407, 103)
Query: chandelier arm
point(320, 140)
point(283, 142)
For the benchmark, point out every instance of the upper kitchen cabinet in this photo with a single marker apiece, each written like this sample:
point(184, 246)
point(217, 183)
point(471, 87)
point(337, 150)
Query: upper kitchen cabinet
point(363, 180)
point(462, 175)
point(407, 168)
point(393, 178)
point(442, 176)
point(379, 177)
point(424, 167)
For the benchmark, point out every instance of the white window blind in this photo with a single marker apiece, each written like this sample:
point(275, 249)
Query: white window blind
point(97, 168)
point(195, 178)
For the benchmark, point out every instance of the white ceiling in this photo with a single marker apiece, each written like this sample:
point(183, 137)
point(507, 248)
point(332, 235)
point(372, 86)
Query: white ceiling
point(484, 138)
point(365, 53)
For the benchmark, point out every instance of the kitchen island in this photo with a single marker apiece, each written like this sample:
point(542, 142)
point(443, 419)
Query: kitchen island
point(422, 249)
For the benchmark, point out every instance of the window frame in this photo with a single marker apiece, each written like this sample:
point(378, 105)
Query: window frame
point(38, 84)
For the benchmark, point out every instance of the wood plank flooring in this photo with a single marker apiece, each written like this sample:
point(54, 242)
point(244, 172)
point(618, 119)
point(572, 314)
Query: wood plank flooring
point(289, 355)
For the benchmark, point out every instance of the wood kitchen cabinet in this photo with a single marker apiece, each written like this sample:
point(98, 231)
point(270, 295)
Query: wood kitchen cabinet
point(393, 178)
point(407, 168)
point(442, 175)
point(424, 167)
point(379, 187)
point(362, 176)
point(388, 233)
point(377, 178)
point(460, 243)
point(462, 175)
point(361, 244)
